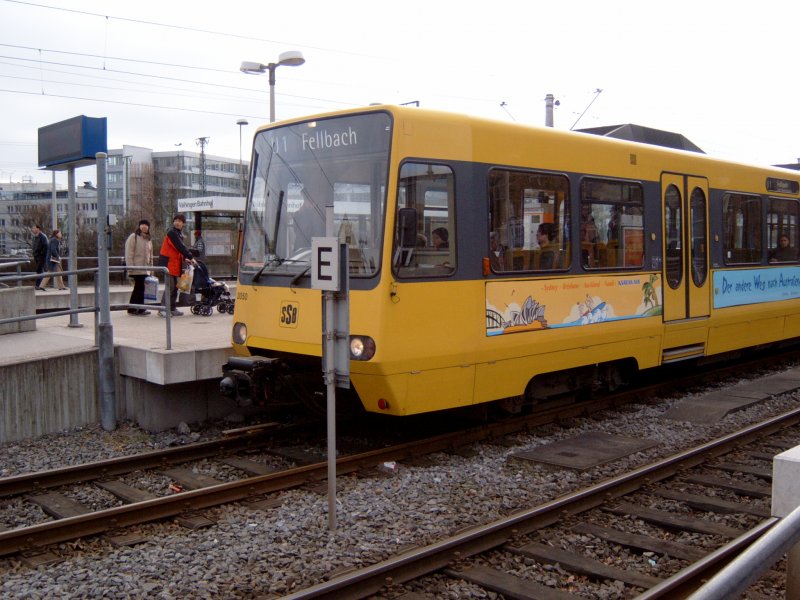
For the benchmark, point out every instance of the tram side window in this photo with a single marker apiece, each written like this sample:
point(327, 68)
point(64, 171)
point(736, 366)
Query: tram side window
point(612, 224)
point(425, 233)
point(782, 224)
point(528, 222)
point(742, 228)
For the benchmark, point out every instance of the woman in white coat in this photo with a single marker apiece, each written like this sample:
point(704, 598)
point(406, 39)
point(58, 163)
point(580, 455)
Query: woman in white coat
point(139, 253)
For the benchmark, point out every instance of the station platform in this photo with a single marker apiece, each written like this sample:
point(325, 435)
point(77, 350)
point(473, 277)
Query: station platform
point(135, 335)
point(48, 376)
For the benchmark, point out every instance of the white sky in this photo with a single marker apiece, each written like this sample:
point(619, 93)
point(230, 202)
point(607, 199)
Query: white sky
point(722, 74)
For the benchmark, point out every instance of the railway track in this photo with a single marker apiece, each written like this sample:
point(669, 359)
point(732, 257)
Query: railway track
point(72, 520)
point(256, 485)
point(534, 534)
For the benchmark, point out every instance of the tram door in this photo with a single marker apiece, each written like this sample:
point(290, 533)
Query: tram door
point(685, 286)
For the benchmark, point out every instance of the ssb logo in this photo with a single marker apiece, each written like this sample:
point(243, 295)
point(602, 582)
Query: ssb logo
point(289, 312)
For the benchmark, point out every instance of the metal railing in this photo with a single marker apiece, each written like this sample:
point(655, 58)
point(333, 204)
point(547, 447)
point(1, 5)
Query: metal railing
point(16, 263)
point(744, 571)
point(123, 268)
point(74, 310)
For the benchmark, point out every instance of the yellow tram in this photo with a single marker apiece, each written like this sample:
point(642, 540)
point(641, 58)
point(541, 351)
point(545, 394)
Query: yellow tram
point(496, 262)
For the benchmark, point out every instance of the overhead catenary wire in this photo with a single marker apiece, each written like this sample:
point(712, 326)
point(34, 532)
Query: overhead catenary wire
point(346, 84)
point(106, 57)
point(140, 104)
point(184, 28)
point(597, 93)
point(160, 77)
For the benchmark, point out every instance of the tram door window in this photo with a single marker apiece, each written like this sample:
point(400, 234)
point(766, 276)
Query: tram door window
point(782, 220)
point(425, 233)
point(612, 224)
point(697, 206)
point(528, 221)
point(742, 228)
point(673, 228)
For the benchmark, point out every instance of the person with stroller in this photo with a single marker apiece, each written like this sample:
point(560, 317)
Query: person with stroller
point(172, 255)
point(211, 292)
point(139, 253)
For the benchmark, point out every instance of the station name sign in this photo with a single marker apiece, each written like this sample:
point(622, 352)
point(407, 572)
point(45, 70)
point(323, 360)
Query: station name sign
point(212, 203)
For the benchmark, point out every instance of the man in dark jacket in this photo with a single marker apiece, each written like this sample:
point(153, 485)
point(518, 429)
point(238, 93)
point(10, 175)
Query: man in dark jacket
point(173, 253)
point(199, 245)
point(39, 243)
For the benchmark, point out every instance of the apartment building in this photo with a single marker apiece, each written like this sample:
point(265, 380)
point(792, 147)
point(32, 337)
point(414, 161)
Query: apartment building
point(140, 177)
point(139, 181)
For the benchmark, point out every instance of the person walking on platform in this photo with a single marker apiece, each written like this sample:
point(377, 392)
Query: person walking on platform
point(139, 253)
point(173, 253)
point(54, 260)
point(39, 244)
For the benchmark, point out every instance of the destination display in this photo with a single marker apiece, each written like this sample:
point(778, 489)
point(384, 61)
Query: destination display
point(784, 186)
point(342, 136)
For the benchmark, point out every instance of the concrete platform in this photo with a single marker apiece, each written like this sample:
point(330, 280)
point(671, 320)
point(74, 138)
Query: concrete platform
point(48, 376)
point(53, 299)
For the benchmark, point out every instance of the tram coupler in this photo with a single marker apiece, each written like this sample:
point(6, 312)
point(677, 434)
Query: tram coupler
point(246, 379)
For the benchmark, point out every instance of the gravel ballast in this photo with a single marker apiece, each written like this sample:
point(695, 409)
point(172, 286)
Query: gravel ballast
point(252, 554)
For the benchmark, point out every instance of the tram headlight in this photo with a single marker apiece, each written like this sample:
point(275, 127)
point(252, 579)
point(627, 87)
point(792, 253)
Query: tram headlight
point(239, 333)
point(361, 347)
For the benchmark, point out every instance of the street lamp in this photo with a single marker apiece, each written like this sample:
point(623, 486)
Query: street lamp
point(290, 58)
point(241, 123)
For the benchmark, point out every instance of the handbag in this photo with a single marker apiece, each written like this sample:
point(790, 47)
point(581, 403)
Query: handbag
point(150, 290)
point(163, 261)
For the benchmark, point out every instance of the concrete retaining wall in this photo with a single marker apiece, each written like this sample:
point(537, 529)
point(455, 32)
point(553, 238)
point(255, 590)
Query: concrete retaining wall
point(48, 395)
point(157, 407)
point(44, 396)
point(17, 302)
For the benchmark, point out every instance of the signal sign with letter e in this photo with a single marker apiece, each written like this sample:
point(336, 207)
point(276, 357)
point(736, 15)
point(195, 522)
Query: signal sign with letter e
point(325, 273)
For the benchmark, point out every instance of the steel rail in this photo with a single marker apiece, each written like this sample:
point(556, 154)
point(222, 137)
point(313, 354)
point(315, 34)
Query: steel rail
point(38, 536)
point(30, 482)
point(61, 530)
point(426, 560)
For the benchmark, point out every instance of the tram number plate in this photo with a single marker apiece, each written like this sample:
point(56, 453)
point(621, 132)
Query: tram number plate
point(289, 314)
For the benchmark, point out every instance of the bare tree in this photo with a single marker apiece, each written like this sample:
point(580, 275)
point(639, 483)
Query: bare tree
point(34, 214)
point(38, 214)
point(142, 190)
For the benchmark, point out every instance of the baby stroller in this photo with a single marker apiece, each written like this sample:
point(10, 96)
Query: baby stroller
point(209, 293)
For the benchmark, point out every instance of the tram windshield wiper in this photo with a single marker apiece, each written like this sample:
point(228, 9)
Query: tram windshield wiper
point(299, 276)
point(271, 260)
point(257, 276)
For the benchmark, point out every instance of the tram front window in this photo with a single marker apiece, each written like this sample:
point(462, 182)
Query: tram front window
point(301, 169)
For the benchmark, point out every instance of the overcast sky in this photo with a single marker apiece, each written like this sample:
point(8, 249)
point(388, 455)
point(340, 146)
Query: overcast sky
point(166, 73)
